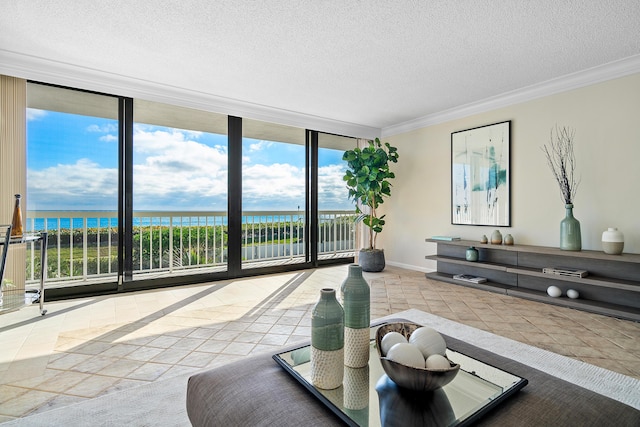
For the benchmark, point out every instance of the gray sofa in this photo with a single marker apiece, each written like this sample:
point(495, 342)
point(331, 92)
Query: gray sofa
point(257, 392)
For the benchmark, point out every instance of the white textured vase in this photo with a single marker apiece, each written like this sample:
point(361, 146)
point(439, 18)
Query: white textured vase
point(612, 241)
point(327, 368)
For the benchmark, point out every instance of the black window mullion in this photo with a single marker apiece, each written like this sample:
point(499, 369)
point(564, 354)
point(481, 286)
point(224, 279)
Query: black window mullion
point(234, 198)
point(125, 191)
point(311, 224)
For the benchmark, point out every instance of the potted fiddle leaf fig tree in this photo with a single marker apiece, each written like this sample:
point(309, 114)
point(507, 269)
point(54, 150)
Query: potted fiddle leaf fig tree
point(368, 180)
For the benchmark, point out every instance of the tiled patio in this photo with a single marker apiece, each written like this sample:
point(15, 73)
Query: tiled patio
point(88, 347)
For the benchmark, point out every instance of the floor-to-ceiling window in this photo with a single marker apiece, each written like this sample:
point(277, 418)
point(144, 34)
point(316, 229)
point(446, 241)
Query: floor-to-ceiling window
point(336, 218)
point(180, 170)
point(138, 194)
point(273, 194)
point(72, 182)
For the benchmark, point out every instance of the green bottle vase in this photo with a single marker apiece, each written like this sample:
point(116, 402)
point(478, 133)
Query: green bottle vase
point(570, 237)
point(327, 341)
point(356, 299)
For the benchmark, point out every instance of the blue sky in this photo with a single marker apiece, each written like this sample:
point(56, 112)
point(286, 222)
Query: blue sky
point(73, 165)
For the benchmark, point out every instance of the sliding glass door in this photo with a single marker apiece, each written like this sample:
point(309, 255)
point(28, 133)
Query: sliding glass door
point(273, 194)
point(72, 183)
point(336, 218)
point(180, 170)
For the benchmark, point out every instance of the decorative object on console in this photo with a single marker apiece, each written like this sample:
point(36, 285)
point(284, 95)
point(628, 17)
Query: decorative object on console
point(565, 271)
point(508, 240)
point(562, 162)
point(367, 179)
point(554, 291)
point(480, 176)
point(16, 222)
point(484, 239)
point(469, 278)
point(496, 238)
point(472, 254)
point(612, 241)
point(573, 294)
point(570, 237)
point(356, 302)
point(327, 341)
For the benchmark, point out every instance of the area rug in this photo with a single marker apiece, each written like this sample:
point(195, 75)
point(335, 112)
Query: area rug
point(162, 403)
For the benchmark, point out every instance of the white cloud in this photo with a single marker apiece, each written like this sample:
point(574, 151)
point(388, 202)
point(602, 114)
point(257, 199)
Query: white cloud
point(34, 114)
point(169, 166)
point(279, 185)
point(260, 145)
point(82, 185)
point(105, 128)
point(173, 172)
point(332, 190)
point(108, 138)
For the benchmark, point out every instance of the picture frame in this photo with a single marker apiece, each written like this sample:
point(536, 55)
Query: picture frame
point(481, 175)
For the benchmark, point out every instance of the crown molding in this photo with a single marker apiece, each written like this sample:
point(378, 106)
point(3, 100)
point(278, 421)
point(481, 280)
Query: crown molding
point(63, 74)
point(610, 71)
point(59, 73)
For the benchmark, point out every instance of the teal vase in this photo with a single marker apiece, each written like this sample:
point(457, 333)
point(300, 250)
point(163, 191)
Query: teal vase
point(327, 341)
point(472, 254)
point(356, 299)
point(570, 237)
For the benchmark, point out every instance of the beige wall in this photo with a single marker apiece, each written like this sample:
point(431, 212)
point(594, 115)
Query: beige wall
point(606, 118)
point(13, 160)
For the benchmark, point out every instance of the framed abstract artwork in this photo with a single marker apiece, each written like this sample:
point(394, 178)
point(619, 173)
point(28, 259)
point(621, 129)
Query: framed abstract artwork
point(480, 175)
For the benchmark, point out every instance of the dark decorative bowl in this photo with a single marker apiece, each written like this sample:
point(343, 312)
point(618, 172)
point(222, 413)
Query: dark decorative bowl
point(416, 379)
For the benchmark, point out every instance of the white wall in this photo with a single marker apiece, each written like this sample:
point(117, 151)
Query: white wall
point(606, 119)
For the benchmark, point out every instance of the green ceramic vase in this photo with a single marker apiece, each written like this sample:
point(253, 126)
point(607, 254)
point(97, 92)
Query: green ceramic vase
point(570, 237)
point(327, 341)
point(327, 322)
point(356, 299)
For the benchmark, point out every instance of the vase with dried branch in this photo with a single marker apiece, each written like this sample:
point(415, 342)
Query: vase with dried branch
point(562, 162)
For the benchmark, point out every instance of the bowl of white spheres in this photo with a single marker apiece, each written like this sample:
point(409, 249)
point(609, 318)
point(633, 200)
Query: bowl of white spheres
point(414, 356)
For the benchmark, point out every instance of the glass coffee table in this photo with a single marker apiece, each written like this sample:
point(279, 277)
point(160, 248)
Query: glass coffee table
point(368, 397)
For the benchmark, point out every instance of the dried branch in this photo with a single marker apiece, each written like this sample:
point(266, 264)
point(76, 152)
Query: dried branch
point(562, 162)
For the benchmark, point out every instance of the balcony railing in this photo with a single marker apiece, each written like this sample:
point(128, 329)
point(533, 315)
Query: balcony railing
point(83, 245)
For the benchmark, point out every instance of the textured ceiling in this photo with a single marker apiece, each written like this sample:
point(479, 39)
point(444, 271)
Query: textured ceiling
point(370, 63)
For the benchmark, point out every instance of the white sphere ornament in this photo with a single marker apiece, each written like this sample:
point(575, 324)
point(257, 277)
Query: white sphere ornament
point(436, 361)
point(554, 291)
point(389, 340)
point(573, 294)
point(406, 354)
point(429, 341)
point(612, 241)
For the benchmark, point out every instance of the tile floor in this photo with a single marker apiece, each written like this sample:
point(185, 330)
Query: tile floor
point(88, 347)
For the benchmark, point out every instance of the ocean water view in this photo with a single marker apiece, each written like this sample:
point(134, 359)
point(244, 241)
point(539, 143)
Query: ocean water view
point(52, 221)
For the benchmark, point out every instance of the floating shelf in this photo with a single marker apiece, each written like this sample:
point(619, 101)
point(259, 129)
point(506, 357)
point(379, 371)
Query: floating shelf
point(611, 288)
